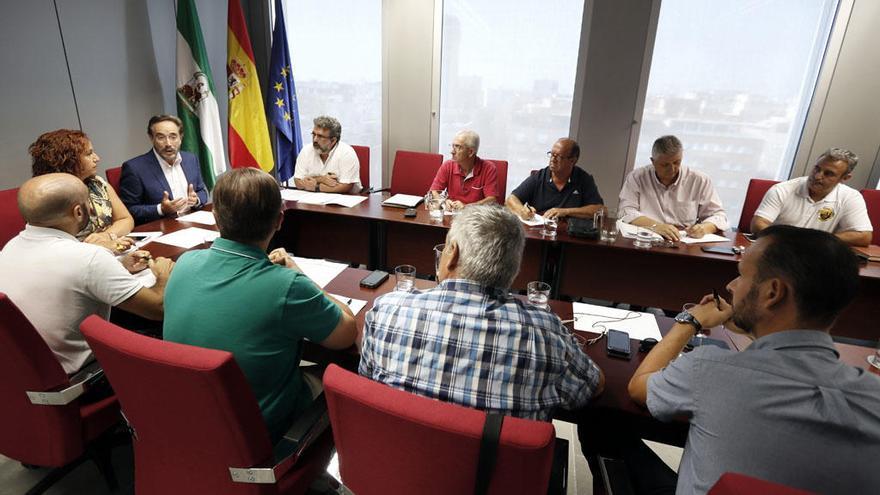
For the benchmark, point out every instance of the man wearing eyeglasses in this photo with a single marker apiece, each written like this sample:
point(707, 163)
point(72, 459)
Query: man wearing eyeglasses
point(560, 190)
point(467, 178)
point(328, 164)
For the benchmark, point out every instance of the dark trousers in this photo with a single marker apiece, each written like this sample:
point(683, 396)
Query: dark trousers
point(604, 433)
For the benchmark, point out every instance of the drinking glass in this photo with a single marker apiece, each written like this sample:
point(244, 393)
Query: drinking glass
point(405, 276)
point(438, 252)
point(550, 226)
point(644, 238)
point(435, 209)
point(539, 294)
point(605, 221)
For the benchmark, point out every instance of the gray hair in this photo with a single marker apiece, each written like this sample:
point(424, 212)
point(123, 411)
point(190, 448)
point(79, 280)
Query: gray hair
point(329, 123)
point(471, 139)
point(666, 145)
point(840, 155)
point(490, 244)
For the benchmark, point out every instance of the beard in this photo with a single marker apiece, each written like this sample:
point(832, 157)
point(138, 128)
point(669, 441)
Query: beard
point(744, 314)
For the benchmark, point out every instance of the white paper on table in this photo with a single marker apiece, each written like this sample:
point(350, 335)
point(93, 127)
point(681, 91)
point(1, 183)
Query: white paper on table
point(201, 216)
point(705, 238)
point(321, 272)
point(188, 238)
point(592, 318)
point(534, 222)
point(293, 194)
point(319, 198)
point(405, 200)
point(629, 231)
point(355, 305)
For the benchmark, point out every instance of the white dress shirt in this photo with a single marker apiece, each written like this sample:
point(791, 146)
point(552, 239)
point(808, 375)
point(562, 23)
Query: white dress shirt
point(175, 177)
point(689, 200)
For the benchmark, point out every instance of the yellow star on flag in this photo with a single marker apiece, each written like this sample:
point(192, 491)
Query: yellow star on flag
point(279, 102)
point(284, 71)
point(286, 116)
point(279, 86)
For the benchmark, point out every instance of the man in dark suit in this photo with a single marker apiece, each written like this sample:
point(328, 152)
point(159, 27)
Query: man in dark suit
point(163, 181)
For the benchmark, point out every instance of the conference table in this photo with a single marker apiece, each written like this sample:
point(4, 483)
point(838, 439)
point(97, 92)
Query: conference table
point(617, 371)
point(381, 237)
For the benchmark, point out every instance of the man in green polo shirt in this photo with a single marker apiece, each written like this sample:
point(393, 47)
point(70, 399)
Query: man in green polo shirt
point(236, 298)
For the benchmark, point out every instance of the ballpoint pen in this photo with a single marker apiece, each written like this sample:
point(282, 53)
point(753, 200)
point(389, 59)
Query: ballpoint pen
point(717, 299)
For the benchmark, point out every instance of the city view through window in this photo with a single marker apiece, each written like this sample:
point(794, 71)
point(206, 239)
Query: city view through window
point(733, 80)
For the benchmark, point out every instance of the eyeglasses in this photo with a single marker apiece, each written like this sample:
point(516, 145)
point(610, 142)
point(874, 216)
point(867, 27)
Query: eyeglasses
point(320, 136)
point(556, 156)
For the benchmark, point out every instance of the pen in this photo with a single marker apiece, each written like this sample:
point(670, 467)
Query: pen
point(717, 299)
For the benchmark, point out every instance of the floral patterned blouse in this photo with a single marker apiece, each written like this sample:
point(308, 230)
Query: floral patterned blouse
point(102, 211)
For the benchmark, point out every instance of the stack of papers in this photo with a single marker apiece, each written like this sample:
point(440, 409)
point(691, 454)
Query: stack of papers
point(293, 194)
point(203, 217)
point(319, 198)
point(597, 319)
point(320, 271)
point(188, 238)
point(534, 222)
point(629, 231)
point(403, 201)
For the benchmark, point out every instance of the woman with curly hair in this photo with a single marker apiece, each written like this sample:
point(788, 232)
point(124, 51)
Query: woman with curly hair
point(71, 152)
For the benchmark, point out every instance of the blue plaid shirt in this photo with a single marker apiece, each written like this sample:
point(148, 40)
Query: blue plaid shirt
point(461, 342)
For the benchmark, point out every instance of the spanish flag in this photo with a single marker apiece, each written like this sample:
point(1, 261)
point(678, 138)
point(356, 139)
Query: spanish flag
point(248, 133)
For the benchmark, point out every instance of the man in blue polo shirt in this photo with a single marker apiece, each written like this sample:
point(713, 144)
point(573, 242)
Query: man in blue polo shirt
point(560, 190)
point(236, 298)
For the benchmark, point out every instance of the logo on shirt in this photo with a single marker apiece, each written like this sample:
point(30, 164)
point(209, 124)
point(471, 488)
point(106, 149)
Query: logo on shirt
point(825, 214)
point(576, 192)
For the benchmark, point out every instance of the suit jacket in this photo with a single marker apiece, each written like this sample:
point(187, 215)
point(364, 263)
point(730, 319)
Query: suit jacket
point(143, 183)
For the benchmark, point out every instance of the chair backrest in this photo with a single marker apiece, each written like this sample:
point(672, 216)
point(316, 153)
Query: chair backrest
point(501, 174)
point(363, 154)
point(11, 222)
point(34, 434)
point(754, 194)
point(113, 177)
point(414, 171)
point(193, 413)
point(872, 201)
point(391, 441)
point(740, 484)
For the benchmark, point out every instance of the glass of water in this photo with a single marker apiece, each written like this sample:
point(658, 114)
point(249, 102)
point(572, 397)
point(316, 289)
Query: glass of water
point(435, 209)
point(405, 276)
point(550, 226)
point(644, 238)
point(539, 294)
point(438, 252)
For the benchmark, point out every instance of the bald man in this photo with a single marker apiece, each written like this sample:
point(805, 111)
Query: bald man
point(58, 281)
point(560, 190)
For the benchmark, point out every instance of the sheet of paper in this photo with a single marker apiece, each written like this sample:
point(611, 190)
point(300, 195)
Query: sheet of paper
point(629, 231)
point(188, 238)
point(407, 200)
point(293, 194)
point(317, 198)
point(201, 216)
point(320, 271)
point(355, 305)
point(705, 238)
point(596, 319)
point(534, 222)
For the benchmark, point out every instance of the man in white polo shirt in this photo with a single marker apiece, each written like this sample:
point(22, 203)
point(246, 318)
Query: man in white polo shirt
point(819, 201)
point(328, 164)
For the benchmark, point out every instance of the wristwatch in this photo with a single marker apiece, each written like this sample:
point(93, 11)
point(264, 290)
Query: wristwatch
point(688, 319)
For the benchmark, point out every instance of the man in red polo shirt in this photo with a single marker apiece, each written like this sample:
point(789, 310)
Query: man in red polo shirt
point(467, 178)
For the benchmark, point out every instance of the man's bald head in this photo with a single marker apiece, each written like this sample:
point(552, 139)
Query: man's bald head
point(48, 200)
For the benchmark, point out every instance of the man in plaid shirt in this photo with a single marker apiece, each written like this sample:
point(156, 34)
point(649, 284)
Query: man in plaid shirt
point(467, 342)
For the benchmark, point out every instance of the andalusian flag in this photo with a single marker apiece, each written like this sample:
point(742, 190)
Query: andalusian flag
point(196, 98)
point(248, 132)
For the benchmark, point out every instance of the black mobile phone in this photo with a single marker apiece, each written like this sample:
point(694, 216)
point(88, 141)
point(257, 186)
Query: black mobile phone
point(617, 343)
point(719, 250)
point(374, 279)
point(409, 212)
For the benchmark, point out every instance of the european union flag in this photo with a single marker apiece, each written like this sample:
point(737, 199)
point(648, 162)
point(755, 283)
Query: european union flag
point(285, 111)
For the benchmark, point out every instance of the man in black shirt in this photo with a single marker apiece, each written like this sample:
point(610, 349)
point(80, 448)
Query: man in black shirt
point(560, 190)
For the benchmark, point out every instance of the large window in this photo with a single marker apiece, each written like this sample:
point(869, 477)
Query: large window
point(733, 80)
point(336, 57)
point(507, 72)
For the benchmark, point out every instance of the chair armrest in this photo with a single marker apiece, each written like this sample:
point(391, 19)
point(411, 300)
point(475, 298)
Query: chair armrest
point(304, 431)
point(78, 386)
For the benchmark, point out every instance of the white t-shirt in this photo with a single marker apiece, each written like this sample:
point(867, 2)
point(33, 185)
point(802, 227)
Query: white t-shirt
point(342, 161)
point(789, 203)
point(57, 281)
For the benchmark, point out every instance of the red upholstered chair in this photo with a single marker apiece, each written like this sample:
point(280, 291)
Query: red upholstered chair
point(740, 484)
point(390, 441)
point(872, 201)
point(414, 171)
point(41, 420)
point(195, 419)
point(113, 177)
point(363, 154)
point(501, 172)
point(11, 222)
point(754, 194)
